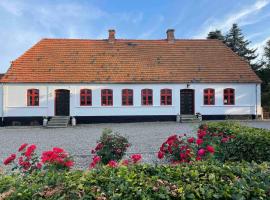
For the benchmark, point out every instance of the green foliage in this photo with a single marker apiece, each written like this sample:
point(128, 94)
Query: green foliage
point(267, 54)
point(250, 144)
point(111, 146)
point(215, 35)
point(200, 180)
point(236, 41)
point(264, 74)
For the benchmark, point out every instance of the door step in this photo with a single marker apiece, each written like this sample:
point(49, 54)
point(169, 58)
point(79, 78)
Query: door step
point(189, 118)
point(58, 122)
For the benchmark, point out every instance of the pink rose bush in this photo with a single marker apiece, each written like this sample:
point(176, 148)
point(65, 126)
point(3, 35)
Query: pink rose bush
point(178, 149)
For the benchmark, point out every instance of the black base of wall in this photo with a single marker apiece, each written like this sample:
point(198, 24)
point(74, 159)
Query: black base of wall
point(27, 121)
point(123, 119)
point(22, 121)
point(228, 117)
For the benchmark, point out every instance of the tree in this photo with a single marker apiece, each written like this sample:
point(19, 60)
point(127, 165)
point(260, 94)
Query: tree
point(235, 40)
point(215, 35)
point(267, 54)
point(264, 74)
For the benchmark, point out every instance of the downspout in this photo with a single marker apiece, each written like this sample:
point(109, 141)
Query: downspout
point(47, 99)
point(2, 96)
point(256, 112)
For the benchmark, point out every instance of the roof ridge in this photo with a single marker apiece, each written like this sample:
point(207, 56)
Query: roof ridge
point(121, 39)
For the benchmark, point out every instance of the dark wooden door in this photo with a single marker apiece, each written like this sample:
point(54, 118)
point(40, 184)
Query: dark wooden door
point(62, 98)
point(187, 102)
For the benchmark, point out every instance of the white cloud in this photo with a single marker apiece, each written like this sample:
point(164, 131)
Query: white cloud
point(240, 16)
point(12, 7)
point(260, 46)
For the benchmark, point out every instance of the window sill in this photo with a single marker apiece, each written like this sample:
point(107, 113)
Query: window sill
point(27, 106)
point(130, 106)
point(227, 105)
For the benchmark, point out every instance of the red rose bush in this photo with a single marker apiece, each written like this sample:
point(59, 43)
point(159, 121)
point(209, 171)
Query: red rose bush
point(28, 161)
point(110, 146)
point(178, 149)
point(57, 158)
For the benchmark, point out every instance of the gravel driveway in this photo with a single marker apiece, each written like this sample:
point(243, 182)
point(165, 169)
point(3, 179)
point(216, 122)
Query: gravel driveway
point(145, 138)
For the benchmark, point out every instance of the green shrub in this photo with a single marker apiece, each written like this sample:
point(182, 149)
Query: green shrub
point(200, 180)
point(111, 146)
point(250, 144)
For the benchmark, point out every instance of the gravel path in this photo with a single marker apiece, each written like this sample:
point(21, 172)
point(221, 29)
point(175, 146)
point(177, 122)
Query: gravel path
point(145, 138)
point(258, 124)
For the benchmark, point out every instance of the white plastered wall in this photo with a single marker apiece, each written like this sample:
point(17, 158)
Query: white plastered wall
point(247, 100)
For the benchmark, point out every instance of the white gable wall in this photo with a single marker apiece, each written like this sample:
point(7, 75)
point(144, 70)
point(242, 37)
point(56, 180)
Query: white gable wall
point(15, 100)
point(1, 100)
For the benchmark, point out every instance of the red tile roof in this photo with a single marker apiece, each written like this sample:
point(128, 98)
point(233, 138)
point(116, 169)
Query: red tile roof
point(129, 61)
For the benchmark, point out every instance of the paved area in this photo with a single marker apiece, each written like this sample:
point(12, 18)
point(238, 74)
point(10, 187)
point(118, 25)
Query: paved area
point(258, 124)
point(145, 138)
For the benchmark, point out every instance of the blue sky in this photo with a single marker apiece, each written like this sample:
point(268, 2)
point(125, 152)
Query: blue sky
point(25, 22)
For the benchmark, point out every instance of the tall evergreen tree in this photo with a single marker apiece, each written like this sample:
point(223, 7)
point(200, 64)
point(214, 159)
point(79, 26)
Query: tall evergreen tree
point(267, 54)
point(264, 74)
point(215, 35)
point(236, 41)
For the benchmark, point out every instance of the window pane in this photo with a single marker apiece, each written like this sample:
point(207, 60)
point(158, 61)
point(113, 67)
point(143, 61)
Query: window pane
point(130, 100)
point(103, 100)
point(205, 100)
point(169, 100)
point(226, 100)
point(30, 100)
point(162, 98)
point(212, 100)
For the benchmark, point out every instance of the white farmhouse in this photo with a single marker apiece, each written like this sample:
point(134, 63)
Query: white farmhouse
point(128, 80)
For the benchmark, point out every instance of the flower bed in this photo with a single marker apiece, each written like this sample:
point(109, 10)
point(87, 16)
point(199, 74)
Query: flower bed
point(194, 172)
point(201, 180)
point(249, 144)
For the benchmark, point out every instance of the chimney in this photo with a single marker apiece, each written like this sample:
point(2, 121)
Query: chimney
point(111, 38)
point(170, 35)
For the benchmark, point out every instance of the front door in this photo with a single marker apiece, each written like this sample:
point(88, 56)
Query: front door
point(62, 102)
point(187, 102)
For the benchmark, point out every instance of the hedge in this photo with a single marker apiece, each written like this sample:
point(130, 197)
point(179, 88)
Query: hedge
point(200, 180)
point(250, 144)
